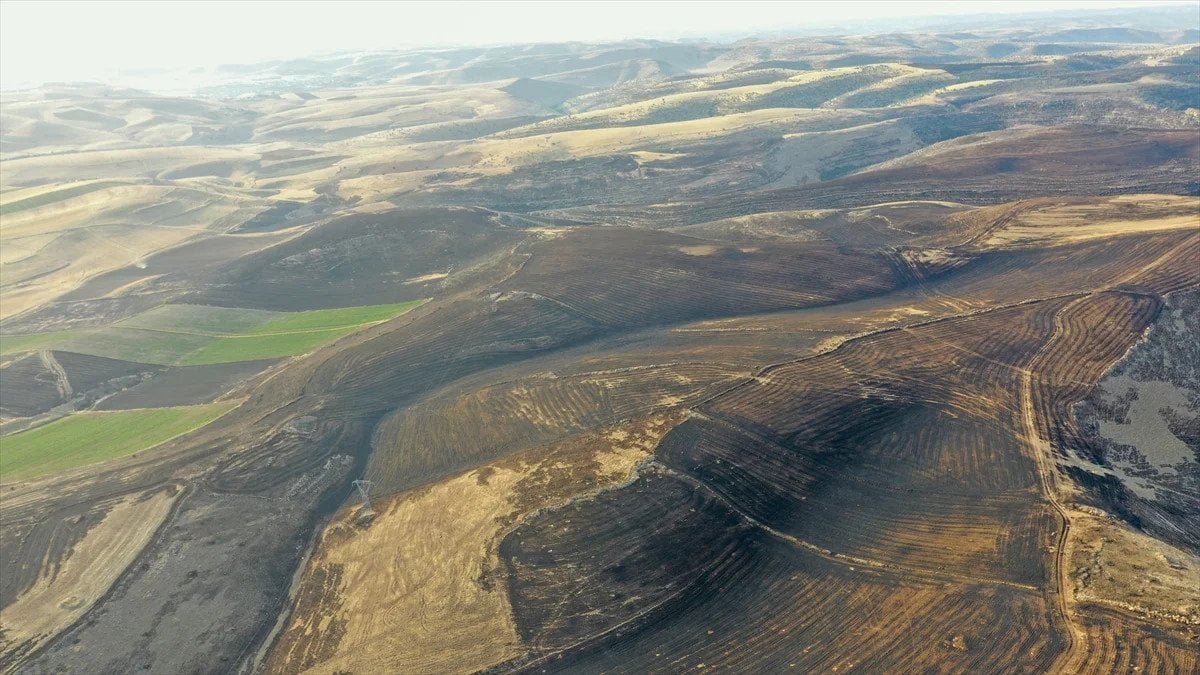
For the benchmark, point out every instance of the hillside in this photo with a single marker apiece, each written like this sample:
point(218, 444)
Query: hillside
point(871, 352)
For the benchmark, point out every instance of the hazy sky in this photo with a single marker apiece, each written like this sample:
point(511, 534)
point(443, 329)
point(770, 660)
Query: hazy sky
point(48, 41)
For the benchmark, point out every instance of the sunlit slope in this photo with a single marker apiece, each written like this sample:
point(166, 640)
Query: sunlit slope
point(822, 353)
point(54, 240)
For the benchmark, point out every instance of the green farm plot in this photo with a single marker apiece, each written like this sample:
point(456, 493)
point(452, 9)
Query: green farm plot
point(90, 437)
point(133, 344)
point(16, 344)
point(201, 319)
point(293, 333)
point(328, 319)
point(199, 335)
point(269, 346)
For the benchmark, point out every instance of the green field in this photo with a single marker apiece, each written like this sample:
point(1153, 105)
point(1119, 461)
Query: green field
point(270, 346)
point(326, 319)
point(199, 335)
point(86, 438)
point(201, 319)
point(15, 344)
point(131, 344)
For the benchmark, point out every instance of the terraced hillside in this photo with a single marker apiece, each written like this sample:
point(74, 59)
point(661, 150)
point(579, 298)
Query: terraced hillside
point(870, 353)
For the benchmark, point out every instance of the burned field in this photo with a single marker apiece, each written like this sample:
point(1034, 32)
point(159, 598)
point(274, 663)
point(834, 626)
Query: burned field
point(898, 473)
point(654, 358)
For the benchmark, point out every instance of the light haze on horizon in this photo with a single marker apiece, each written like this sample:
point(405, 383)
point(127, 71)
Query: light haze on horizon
point(99, 41)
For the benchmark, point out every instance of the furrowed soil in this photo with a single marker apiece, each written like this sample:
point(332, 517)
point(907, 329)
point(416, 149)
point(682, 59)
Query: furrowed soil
point(870, 353)
point(436, 601)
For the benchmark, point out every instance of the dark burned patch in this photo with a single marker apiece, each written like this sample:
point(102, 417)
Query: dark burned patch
point(209, 588)
point(29, 388)
point(34, 384)
point(181, 269)
point(359, 260)
point(482, 475)
point(1107, 491)
point(731, 162)
point(584, 568)
point(1080, 162)
point(288, 214)
point(1006, 164)
point(275, 459)
point(1139, 430)
point(462, 130)
point(658, 576)
point(460, 339)
point(602, 272)
point(185, 385)
point(93, 378)
point(881, 449)
point(222, 169)
point(53, 536)
point(73, 314)
point(547, 93)
point(283, 154)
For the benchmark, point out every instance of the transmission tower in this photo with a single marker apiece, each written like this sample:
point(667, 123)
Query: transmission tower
point(364, 487)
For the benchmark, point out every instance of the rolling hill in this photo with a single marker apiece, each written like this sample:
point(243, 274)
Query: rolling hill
point(822, 353)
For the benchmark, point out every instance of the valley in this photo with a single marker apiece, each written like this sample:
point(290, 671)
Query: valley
point(822, 353)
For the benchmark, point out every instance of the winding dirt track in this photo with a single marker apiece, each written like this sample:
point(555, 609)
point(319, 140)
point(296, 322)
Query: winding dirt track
point(60, 376)
point(1041, 452)
point(849, 561)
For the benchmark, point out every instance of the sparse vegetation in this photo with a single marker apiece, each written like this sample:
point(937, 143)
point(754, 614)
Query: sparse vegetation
point(832, 354)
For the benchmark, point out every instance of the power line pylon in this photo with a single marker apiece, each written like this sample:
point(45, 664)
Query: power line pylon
point(364, 488)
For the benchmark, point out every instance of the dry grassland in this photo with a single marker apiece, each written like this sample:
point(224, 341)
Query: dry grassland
point(69, 587)
point(1057, 224)
point(497, 156)
point(934, 97)
point(55, 247)
point(420, 589)
point(1112, 564)
point(700, 249)
point(724, 101)
point(123, 163)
